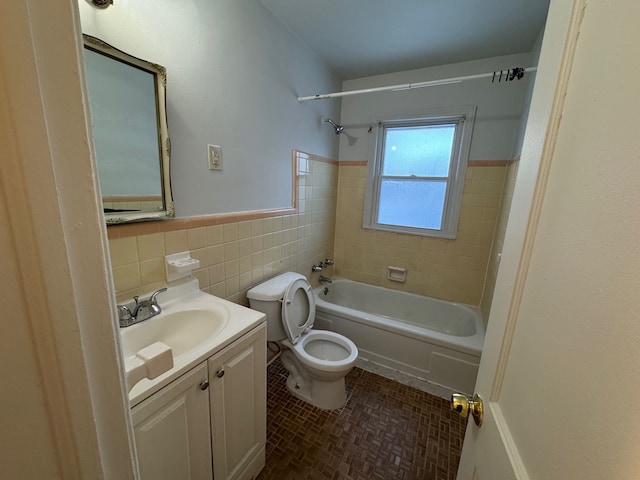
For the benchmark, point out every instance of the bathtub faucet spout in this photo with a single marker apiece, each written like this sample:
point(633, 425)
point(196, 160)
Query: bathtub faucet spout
point(323, 279)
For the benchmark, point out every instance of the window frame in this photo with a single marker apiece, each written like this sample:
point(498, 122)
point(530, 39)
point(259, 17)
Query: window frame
point(464, 117)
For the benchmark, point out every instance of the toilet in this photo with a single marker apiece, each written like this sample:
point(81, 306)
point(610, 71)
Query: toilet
point(317, 360)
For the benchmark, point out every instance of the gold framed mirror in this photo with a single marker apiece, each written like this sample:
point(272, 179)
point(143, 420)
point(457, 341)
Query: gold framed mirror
point(127, 97)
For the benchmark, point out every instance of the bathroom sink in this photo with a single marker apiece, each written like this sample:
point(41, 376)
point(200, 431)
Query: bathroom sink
point(182, 329)
point(192, 327)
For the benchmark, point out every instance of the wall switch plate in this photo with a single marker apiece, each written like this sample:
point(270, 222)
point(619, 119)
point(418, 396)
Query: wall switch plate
point(214, 153)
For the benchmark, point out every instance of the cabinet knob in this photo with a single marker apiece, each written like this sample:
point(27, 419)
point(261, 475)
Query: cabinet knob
point(204, 385)
point(220, 373)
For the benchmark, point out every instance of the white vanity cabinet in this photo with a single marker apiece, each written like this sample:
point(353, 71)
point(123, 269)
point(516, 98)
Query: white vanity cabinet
point(209, 422)
point(238, 394)
point(171, 430)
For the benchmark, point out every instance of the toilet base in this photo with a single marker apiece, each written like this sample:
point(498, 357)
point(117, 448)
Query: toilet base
point(327, 395)
point(324, 395)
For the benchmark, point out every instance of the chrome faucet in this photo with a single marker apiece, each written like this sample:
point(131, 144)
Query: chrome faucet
point(124, 316)
point(142, 311)
point(323, 279)
point(327, 262)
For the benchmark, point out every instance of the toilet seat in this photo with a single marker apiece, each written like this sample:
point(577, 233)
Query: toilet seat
point(320, 349)
point(298, 309)
point(331, 340)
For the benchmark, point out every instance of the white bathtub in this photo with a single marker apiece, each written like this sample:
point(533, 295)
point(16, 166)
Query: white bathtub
point(429, 343)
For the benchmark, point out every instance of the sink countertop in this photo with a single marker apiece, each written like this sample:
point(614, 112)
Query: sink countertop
point(187, 297)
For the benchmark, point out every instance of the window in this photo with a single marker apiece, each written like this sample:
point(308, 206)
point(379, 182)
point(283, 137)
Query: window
point(416, 175)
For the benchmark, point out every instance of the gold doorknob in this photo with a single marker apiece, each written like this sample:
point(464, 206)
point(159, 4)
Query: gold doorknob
point(463, 405)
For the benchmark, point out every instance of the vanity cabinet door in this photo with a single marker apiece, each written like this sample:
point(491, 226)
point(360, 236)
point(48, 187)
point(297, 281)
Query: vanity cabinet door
point(238, 407)
point(172, 431)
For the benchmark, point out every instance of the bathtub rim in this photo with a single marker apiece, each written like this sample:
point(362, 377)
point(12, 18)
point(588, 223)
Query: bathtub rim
point(470, 345)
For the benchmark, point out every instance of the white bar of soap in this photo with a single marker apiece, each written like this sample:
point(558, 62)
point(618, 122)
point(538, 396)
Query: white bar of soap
point(157, 357)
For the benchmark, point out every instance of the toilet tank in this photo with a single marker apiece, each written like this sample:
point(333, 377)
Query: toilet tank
point(266, 298)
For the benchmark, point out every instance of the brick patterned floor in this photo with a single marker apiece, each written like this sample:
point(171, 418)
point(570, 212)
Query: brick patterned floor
point(385, 431)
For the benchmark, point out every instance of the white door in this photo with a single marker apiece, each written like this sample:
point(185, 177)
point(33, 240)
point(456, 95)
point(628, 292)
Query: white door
point(560, 373)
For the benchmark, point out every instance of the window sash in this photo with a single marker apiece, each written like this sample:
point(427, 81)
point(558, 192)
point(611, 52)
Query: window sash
point(430, 159)
point(417, 214)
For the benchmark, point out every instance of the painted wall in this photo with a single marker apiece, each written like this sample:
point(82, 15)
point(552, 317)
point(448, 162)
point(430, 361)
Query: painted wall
point(497, 118)
point(239, 253)
point(234, 73)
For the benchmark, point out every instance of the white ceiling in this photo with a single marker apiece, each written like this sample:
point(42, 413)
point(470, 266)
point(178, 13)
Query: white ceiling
point(359, 38)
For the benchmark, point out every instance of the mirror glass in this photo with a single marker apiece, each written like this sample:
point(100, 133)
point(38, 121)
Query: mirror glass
point(130, 136)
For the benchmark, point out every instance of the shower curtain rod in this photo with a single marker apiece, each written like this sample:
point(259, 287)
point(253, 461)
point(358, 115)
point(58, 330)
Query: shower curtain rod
point(509, 75)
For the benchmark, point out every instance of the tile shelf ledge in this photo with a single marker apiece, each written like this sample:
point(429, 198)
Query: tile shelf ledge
point(183, 223)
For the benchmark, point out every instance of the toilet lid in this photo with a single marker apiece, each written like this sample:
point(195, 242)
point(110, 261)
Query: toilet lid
point(298, 309)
